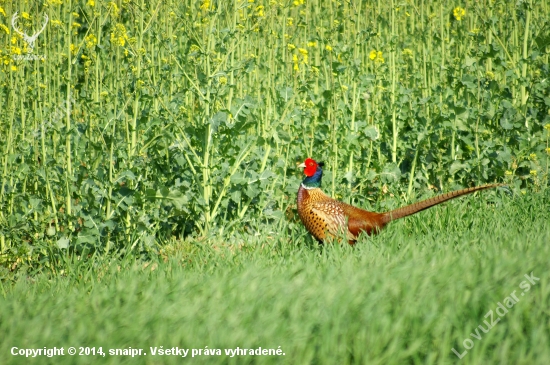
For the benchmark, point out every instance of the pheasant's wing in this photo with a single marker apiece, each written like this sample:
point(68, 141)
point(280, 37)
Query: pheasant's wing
point(330, 217)
point(362, 220)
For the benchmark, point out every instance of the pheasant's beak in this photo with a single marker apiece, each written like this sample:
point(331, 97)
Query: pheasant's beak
point(302, 165)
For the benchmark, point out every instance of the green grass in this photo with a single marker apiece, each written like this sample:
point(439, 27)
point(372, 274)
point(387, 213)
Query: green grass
point(148, 181)
point(406, 296)
point(146, 120)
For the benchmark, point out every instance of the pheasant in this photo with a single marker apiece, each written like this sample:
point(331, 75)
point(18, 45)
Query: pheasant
point(323, 216)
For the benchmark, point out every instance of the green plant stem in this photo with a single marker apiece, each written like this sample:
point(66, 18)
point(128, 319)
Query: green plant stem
point(68, 107)
point(524, 94)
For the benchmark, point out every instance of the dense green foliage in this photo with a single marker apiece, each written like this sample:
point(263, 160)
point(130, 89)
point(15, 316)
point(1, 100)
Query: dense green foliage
point(131, 122)
point(148, 181)
point(407, 296)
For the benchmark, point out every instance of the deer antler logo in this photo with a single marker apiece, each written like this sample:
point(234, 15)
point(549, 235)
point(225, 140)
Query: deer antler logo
point(29, 39)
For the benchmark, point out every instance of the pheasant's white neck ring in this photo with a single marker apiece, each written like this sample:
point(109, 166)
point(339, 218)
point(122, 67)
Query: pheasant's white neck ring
point(308, 187)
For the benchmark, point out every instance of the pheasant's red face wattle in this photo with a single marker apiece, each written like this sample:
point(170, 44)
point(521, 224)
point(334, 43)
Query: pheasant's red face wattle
point(311, 167)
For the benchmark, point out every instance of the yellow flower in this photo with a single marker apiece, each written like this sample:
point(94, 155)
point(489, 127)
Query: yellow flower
point(344, 87)
point(25, 15)
point(119, 36)
point(304, 53)
point(2, 11)
point(73, 48)
point(548, 150)
point(547, 127)
point(15, 50)
point(205, 5)
point(57, 23)
point(91, 3)
point(507, 172)
point(90, 40)
point(328, 48)
point(407, 52)
point(193, 48)
point(6, 29)
point(459, 13)
point(289, 22)
point(55, 2)
point(104, 94)
point(376, 56)
point(115, 8)
point(533, 156)
point(533, 172)
point(260, 10)
point(295, 61)
point(290, 46)
point(76, 25)
point(13, 68)
point(312, 44)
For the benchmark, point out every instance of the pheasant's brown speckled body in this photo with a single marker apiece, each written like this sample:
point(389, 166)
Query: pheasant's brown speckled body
point(323, 216)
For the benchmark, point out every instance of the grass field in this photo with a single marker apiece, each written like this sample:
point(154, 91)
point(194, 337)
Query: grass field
point(407, 296)
point(148, 179)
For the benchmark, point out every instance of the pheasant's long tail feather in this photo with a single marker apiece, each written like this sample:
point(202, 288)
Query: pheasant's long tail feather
point(425, 204)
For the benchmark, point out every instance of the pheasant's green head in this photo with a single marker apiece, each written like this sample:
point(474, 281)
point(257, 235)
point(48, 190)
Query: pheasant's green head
point(313, 172)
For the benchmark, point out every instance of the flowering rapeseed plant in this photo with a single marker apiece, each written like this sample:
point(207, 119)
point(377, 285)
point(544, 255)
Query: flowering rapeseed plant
point(90, 40)
point(376, 56)
point(119, 36)
point(260, 11)
point(459, 13)
point(295, 61)
point(304, 54)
